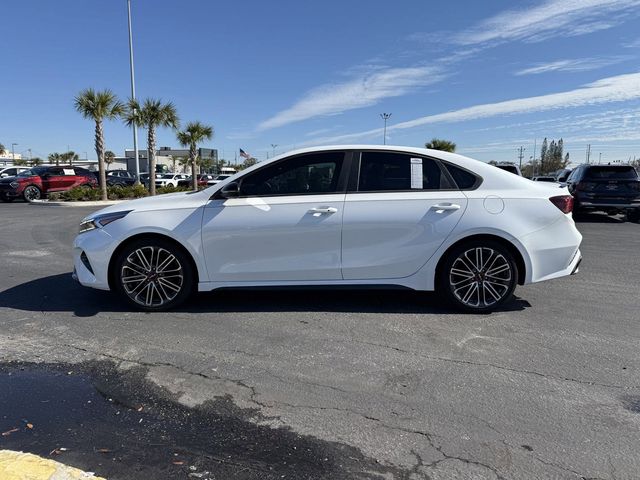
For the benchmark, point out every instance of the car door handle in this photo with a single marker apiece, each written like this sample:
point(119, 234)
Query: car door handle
point(320, 210)
point(448, 206)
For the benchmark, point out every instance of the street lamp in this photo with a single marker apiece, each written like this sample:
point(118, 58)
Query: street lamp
point(385, 117)
point(273, 146)
point(13, 152)
point(133, 96)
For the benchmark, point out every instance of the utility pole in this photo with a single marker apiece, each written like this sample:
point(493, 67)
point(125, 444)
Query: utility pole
point(133, 97)
point(599, 158)
point(273, 146)
point(588, 153)
point(29, 150)
point(521, 155)
point(385, 117)
point(13, 152)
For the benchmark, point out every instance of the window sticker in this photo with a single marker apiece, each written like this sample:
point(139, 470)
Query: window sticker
point(68, 171)
point(416, 173)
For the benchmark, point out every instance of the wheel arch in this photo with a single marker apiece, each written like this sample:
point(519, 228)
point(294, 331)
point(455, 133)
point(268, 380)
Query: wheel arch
point(149, 235)
point(513, 249)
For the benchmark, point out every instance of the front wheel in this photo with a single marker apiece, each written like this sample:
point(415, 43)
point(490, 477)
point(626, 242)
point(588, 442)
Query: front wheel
point(32, 193)
point(478, 276)
point(154, 274)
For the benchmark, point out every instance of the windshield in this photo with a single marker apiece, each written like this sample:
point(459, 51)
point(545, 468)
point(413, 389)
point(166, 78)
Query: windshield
point(167, 175)
point(222, 177)
point(612, 173)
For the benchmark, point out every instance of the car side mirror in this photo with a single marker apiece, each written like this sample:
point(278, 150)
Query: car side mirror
point(230, 190)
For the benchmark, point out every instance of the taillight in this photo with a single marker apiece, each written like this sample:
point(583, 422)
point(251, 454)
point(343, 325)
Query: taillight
point(563, 202)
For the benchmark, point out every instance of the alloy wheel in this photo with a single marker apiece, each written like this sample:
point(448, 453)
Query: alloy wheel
point(152, 276)
point(480, 277)
point(31, 193)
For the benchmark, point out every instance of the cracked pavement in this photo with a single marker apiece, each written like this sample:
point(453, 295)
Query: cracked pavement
point(547, 388)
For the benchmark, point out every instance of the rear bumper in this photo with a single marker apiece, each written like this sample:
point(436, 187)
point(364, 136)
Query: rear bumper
point(554, 251)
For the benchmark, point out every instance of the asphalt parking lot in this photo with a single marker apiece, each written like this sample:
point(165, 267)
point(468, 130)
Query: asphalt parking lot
point(323, 383)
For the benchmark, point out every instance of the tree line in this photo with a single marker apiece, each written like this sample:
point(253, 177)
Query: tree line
point(150, 114)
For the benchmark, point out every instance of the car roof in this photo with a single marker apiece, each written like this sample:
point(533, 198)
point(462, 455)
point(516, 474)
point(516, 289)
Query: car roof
point(492, 177)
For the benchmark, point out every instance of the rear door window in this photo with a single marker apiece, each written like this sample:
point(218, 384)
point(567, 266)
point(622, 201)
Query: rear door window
point(391, 171)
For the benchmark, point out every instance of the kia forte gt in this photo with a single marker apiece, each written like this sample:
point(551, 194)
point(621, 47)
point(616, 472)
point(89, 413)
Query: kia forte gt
point(343, 215)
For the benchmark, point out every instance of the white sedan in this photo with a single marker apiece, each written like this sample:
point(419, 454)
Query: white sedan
point(342, 215)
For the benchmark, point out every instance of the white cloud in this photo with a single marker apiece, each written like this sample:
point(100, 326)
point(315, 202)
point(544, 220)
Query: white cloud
point(549, 19)
point(571, 65)
point(366, 90)
point(612, 89)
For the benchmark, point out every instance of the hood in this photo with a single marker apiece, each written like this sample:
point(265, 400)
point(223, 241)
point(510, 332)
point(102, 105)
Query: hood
point(8, 179)
point(167, 201)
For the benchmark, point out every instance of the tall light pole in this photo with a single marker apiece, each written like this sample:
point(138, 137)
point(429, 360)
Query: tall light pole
point(385, 117)
point(133, 96)
point(13, 152)
point(273, 146)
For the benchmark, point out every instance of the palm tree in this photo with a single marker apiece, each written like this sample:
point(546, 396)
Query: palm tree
point(109, 157)
point(99, 106)
point(69, 157)
point(194, 133)
point(152, 114)
point(440, 144)
point(54, 158)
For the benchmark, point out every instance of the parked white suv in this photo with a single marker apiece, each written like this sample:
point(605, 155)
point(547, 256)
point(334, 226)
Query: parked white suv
point(343, 215)
point(169, 179)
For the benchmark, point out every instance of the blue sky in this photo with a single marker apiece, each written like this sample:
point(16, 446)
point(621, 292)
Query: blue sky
point(489, 75)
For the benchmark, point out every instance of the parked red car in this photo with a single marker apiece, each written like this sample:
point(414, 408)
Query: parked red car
point(37, 182)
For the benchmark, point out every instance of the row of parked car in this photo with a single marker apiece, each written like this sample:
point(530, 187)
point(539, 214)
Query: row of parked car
point(36, 182)
point(612, 189)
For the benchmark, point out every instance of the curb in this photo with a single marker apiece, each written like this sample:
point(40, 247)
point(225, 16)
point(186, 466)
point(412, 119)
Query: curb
point(26, 466)
point(76, 204)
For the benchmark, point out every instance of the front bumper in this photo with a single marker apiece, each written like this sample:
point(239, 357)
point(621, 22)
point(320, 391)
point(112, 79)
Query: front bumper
point(93, 270)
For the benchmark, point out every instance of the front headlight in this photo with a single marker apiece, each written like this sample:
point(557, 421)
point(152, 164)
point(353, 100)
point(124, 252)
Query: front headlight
point(100, 221)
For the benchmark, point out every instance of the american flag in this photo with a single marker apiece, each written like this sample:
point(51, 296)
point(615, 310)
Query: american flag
point(244, 154)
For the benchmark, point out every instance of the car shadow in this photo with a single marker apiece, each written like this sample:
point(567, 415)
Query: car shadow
point(59, 293)
point(599, 217)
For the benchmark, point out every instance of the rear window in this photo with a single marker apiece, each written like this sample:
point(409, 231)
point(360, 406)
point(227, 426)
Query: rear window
point(464, 179)
point(508, 168)
point(611, 173)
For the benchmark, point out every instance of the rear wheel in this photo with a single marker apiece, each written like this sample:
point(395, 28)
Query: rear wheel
point(478, 276)
point(32, 193)
point(154, 274)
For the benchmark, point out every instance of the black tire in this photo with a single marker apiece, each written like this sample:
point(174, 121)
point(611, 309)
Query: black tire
point(156, 291)
point(478, 276)
point(633, 215)
point(31, 193)
point(5, 198)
